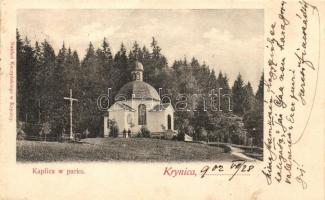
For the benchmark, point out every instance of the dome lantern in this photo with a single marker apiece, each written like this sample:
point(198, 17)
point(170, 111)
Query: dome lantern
point(137, 73)
point(138, 89)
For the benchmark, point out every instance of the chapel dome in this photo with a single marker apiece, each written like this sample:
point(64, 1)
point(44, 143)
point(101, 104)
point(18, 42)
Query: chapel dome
point(140, 89)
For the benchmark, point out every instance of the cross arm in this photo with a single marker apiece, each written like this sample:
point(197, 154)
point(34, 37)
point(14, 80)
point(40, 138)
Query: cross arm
point(71, 99)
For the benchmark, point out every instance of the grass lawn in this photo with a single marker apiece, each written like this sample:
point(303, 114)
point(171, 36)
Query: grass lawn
point(119, 149)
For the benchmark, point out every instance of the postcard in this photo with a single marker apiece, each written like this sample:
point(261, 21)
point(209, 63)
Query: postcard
point(162, 100)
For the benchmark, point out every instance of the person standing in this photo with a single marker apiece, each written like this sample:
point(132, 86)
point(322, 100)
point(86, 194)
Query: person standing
point(129, 133)
point(124, 133)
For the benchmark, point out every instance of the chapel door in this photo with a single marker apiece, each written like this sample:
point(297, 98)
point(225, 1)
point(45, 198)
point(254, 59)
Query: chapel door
point(169, 122)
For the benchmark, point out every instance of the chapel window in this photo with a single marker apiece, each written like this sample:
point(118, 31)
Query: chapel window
point(142, 118)
point(169, 122)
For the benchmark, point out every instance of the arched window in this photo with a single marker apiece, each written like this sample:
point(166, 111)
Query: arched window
point(169, 122)
point(142, 118)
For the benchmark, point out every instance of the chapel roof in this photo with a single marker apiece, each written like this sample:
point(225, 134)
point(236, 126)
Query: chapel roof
point(140, 89)
point(160, 107)
point(123, 106)
point(126, 107)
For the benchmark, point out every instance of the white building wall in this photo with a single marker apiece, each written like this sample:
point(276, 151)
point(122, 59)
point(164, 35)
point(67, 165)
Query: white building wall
point(135, 104)
point(129, 120)
point(106, 128)
point(155, 120)
point(120, 118)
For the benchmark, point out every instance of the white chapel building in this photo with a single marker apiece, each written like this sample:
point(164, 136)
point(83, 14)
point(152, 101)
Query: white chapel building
point(138, 104)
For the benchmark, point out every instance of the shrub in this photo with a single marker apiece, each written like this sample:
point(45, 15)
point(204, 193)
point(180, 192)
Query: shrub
point(114, 130)
point(144, 132)
point(180, 136)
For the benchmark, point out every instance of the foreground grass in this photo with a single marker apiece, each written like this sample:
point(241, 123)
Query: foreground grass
point(119, 149)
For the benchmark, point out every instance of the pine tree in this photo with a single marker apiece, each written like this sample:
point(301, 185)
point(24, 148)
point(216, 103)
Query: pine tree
point(58, 112)
point(45, 85)
point(249, 101)
point(225, 92)
point(20, 77)
point(91, 88)
point(122, 71)
point(155, 49)
point(58, 75)
point(69, 71)
point(146, 54)
point(238, 96)
point(155, 66)
point(30, 82)
point(135, 53)
point(91, 68)
point(213, 89)
point(107, 54)
point(195, 63)
point(260, 90)
point(105, 60)
point(76, 58)
point(213, 83)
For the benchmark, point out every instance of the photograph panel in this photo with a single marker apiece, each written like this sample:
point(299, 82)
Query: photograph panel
point(139, 85)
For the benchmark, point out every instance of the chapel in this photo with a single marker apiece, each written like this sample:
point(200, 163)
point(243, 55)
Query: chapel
point(138, 104)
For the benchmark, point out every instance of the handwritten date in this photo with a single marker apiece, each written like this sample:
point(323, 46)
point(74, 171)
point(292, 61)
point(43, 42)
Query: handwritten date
point(236, 167)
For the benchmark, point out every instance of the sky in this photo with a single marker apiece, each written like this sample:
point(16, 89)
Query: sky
point(228, 40)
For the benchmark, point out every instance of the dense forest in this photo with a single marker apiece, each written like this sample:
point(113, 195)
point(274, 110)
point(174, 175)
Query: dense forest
point(44, 78)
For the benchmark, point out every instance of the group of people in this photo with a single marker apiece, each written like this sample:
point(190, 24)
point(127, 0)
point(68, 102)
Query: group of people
point(126, 133)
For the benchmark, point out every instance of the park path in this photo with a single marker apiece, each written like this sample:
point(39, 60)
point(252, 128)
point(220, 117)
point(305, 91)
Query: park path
point(239, 152)
point(234, 151)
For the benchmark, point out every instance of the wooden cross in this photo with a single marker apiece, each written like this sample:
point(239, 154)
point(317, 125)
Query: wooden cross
point(71, 101)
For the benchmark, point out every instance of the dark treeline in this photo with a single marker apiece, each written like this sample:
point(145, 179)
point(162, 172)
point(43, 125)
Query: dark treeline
point(44, 78)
